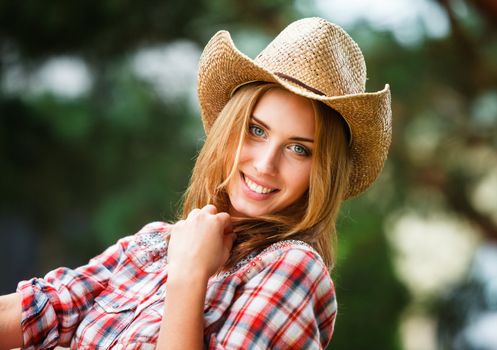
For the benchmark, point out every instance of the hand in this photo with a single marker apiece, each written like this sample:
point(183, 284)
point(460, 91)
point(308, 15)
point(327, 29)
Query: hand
point(201, 243)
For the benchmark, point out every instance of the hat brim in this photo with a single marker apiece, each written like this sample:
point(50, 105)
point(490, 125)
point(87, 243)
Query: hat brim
point(223, 68)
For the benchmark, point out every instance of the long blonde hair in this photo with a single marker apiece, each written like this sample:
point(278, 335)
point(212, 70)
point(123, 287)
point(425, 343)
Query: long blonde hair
point(312, 218)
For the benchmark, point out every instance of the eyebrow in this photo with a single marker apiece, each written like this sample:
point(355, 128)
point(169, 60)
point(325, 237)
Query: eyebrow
point(293, 138)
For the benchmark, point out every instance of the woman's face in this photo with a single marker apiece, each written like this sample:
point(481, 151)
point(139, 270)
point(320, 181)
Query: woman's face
point(276, 157)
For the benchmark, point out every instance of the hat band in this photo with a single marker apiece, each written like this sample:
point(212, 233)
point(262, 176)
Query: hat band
point(298, 82)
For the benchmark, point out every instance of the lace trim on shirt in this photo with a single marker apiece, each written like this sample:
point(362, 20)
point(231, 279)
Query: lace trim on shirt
point(238, 266)
point(286, 243)
point(153, 248)
point(273, 247)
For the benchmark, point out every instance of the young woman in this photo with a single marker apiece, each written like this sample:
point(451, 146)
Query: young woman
point(290, 135)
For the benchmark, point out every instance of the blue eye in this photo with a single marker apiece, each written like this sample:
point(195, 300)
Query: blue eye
point(256, 131)
point(300, 150)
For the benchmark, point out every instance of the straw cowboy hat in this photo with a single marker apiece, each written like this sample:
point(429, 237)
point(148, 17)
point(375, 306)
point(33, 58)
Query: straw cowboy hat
point(312, 58)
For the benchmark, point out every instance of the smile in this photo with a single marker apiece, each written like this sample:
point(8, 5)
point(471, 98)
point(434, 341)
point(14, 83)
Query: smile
point(256, 187)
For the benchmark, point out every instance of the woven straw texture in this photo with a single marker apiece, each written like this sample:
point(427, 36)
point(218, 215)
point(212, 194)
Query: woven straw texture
point(316, 59)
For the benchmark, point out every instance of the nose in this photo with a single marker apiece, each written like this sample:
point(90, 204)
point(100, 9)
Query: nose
point(266, 160)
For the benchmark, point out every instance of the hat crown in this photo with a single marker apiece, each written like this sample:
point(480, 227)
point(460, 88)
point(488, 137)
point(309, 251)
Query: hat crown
point(318, 54)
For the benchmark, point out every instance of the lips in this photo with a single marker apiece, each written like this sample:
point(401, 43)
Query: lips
point(257, 188)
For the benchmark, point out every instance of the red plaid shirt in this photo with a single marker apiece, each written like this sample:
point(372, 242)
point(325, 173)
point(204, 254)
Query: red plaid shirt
point(281, 298)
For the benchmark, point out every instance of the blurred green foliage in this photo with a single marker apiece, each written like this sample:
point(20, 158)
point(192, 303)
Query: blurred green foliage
point(80, 172)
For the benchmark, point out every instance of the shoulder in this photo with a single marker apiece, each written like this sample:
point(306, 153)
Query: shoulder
point(289, 262)
point(151, 229)
point(147, 247)
point(287, 281)
point(297, 258)
point(155, 226)
point(150, 232)
point(294, 256)
point(291, 251)
point(295, 272)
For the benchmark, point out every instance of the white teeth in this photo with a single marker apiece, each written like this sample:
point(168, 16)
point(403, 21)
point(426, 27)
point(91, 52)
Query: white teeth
point(255, 187)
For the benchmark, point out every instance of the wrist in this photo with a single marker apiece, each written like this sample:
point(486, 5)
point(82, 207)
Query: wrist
point(181, 275)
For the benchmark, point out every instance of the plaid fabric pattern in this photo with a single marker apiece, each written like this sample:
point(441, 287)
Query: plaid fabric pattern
point(281, 298)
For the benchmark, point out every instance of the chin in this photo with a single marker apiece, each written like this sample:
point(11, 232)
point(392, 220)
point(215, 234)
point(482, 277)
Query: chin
point(248, 211)
point(244, 213)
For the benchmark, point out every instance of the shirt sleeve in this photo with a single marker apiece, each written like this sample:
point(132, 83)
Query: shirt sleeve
point(290, 304)
point(53, 306)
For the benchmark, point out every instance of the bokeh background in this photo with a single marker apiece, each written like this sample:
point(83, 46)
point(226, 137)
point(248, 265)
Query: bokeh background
point(99, 128)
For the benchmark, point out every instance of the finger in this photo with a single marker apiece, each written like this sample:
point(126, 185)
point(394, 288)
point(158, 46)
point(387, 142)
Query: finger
point(226, 221)
point(193, 212)
point(210, 208)
point(177, 224)
point(224, 217)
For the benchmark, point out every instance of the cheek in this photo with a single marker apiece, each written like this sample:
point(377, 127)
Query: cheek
point(230, 160)
point(298, 178)
point(305, 180)
point(246, 152)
